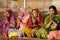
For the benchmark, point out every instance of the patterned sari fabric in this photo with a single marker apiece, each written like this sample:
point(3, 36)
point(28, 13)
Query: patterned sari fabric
point(12, 32)
point(27, 31)
point(52, 27)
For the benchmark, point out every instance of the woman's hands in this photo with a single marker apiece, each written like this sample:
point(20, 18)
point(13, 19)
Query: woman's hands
point(51, 21)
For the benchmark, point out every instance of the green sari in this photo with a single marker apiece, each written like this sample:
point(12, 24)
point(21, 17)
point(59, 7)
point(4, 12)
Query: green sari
point(43, 32)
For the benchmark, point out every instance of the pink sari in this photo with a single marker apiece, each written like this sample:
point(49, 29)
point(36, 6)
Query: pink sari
point(26, 19)
point(54, 34)
point(26, 23)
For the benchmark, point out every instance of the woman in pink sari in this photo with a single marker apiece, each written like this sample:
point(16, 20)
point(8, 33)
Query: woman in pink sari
point(24, 22)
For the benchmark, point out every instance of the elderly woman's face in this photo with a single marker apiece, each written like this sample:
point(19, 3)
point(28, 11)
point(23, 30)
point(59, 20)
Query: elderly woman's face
point(21, 13)
point(7, 14)
point(52, 11)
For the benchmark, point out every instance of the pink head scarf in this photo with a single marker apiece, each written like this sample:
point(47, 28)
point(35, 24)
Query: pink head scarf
point(26, 14)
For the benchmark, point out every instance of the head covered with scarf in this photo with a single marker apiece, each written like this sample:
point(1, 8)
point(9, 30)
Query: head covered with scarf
point(3, 21)
point(12, 15)
point(26, 14)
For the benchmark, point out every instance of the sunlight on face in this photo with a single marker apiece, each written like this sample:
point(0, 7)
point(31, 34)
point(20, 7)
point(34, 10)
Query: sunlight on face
point(7, 14)
point(21, 13)
point(52, 11)
point(35, 13)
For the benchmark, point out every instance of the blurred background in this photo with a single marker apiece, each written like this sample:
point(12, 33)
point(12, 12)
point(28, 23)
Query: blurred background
point(42, 5)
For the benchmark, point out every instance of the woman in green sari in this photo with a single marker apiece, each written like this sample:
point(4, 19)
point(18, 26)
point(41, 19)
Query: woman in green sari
point(50, 23)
